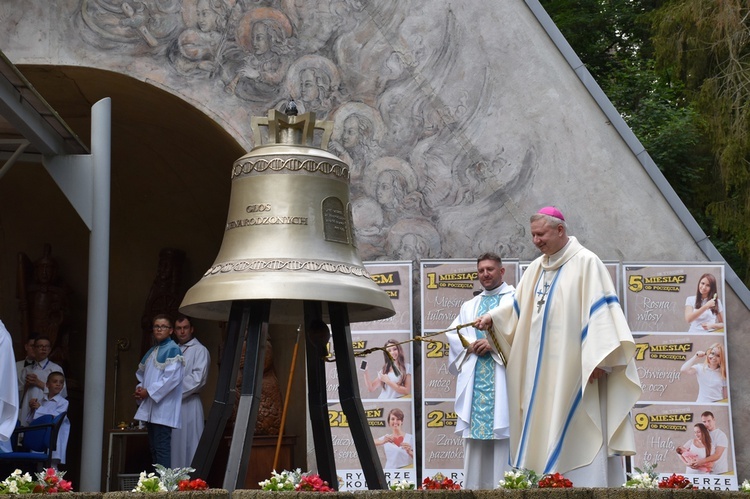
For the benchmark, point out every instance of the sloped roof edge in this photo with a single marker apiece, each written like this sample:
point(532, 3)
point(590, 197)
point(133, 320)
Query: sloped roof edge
point(700, 237)
point(28, 115)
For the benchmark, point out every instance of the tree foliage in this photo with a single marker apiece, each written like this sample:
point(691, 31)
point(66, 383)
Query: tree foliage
point(677, 72)
point(707, 43)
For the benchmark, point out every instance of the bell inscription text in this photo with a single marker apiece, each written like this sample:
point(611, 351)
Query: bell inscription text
point(335, 222)
point(264, 219)
point(269, 220)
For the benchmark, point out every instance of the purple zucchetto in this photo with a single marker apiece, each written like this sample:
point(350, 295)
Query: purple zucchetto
point(552, 211)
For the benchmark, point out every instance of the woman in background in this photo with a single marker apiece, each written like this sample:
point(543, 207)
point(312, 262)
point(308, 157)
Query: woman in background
point(398, 445)
point(711, 373)
point(395, 377)
point(698, 447)
point(704, 312)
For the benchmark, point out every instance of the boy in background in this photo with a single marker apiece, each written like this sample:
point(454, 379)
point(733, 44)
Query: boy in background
point(53, 404)
point(32, 383)
point(159, 391)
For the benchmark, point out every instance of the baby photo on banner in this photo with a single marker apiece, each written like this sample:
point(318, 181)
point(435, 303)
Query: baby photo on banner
point(682, 439)
point(683, 421)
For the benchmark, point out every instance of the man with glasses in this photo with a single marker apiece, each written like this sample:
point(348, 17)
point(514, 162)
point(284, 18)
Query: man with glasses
point(33, 379)
point(159, 392)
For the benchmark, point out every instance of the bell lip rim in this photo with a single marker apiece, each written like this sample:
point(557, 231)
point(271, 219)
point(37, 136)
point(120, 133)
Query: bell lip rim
point(219, 310)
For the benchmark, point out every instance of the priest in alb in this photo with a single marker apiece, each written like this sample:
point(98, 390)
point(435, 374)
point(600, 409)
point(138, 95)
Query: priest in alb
point(571, 373)
point(481, 400)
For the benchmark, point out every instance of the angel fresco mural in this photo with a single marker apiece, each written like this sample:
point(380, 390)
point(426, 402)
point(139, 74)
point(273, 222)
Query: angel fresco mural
point(195, 52)
point(259, 62)
point(314, 83)
point(318, 23)
point(392, 79)
point(358, 131)
point(367, 216)
point(119, 24)
point(393, 183)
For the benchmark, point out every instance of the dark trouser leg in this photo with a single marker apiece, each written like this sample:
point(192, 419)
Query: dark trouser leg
point(160, 442)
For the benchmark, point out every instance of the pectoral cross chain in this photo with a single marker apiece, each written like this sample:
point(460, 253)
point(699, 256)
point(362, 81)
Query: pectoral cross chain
point(543, 295)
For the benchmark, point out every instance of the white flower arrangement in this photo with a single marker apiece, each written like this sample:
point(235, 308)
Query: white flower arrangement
point(645, 478)
point(402, 485)
point(164, 480)
point(149, 483)
point(17, 483)
point(515, 479)
point(286, 480)
point(745, 486)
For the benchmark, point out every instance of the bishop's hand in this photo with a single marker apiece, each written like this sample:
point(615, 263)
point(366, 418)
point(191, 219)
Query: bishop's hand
point(483, 322)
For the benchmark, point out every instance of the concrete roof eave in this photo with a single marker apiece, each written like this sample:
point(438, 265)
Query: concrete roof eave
point(25, 115)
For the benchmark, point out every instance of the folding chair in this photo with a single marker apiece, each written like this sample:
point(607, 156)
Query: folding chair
point(38, 442)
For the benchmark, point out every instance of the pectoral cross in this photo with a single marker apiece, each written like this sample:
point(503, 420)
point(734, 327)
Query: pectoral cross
point(543, 294)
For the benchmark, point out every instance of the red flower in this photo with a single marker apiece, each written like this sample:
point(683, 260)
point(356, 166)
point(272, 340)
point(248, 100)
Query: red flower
point(439, 482)
point(554, 480)
point(313, 483)
point(52, 482)
point(198, 484)
point(675, 482)
point(195, 484)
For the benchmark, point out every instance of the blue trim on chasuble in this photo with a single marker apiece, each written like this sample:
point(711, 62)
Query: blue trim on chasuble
point(483, 395)
point(604, 300)
point(598, 304)
point(558, 448)
point(524, 432)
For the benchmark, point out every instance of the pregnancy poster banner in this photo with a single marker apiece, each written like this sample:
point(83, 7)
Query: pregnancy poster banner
point(656, 298)
point(386, 385)
point(672, 435)
point(392, 425)
point(683, 423)
point(445, 286)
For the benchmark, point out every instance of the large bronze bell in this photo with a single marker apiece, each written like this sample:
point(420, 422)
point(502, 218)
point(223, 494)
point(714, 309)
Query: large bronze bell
point(289, 234)
point(288, 249)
